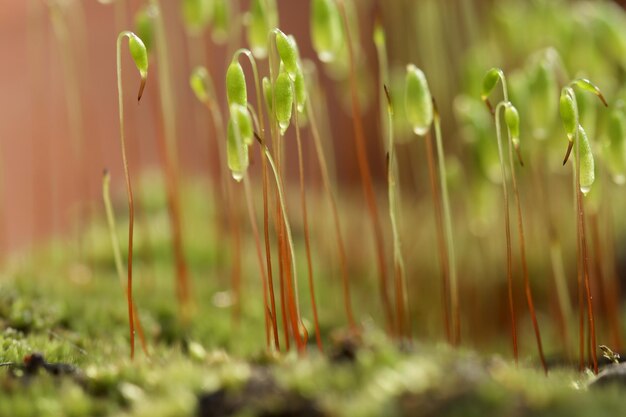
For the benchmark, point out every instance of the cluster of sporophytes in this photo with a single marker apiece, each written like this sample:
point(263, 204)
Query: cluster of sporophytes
point(286, 104)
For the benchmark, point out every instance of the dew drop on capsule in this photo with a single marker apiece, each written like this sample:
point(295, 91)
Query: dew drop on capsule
point(237, 176)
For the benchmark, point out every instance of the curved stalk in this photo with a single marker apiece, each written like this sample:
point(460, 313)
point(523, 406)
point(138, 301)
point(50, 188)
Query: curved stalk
point(279, 226)
point(583, 243)
point(509, 273)
point(129, 191)
point(292, 286)
point(290, 244)
point(522, 244)
point(242, 148)
point(268, 253)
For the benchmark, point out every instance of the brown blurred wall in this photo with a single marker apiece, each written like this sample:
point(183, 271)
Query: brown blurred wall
point(41, 180)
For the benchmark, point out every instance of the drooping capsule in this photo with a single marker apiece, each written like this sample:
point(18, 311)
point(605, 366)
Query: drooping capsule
point(144, 25)
point(586, 85)
point(489, 82)
point(236, 90)
point(542, 97)
point(283, 95)
point(197, 14)
point(587, 166)
point(221, 20)
point(262, 17)
point(237, 153)
point(288, 52)
point(139, 53)
point(300, 90)
point(199, 83)
point(568, 112)
point(616, 146)
point(511, 119)
point(326, 30)
point(417, 100)
point(243, 123)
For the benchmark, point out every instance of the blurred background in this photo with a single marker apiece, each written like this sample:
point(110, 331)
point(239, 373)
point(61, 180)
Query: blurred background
point(59, 126)
point(60, 54)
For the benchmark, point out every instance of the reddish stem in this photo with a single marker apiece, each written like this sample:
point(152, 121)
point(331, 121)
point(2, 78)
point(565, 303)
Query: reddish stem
point(364, 169)
point(307, 242)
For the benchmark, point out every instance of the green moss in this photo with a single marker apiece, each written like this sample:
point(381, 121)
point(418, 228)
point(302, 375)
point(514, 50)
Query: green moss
point(75, 313)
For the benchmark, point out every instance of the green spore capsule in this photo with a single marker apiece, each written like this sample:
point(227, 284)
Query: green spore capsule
point(568, 112)
point(417, 100)
point(300, 89)
point(221, 20)
point(139, 53)
point(288, 52)
point(244, 122)
point(237, 153)
point(284, 101)
point(326, 31)
point(144, 25)
point(590, 87)
point(511, 118)
point(489, 82)
point(587, 167)
point(197, 14)
point(199, 83)
point(236, 90)
point(261, 19)
point(616, 149)
point(543, 100)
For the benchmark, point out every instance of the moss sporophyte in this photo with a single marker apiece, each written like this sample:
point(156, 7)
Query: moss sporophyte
point(512, 121)
point(140, 57)
point(584, 176)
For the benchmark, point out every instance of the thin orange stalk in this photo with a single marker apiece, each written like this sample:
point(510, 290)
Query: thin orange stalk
point(259, 253)
point(585, 262)
point(608, 302)
point(522, 247)
point(364, 169)
point(117, 253)
point(307, 243)
point(129, 191)
point(268, 253)
point(335, 213)
point(170, 159)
